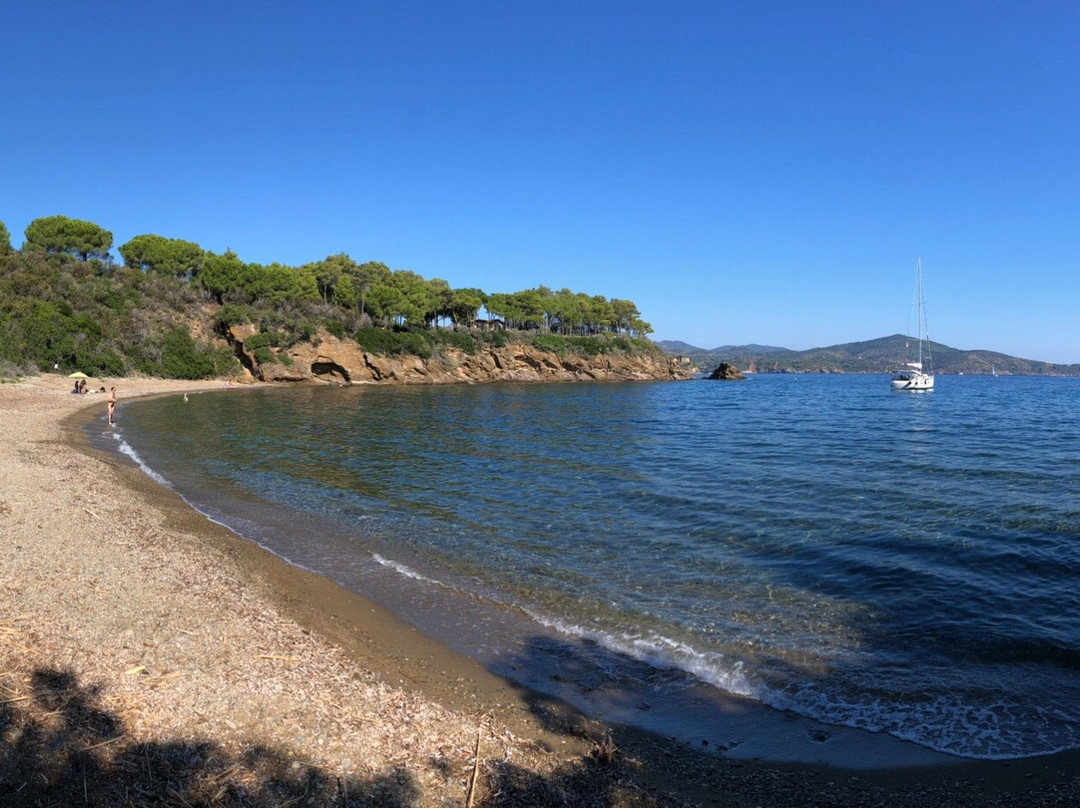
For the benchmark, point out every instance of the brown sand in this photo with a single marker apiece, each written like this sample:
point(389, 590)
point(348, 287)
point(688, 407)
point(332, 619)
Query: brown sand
point(151, 657)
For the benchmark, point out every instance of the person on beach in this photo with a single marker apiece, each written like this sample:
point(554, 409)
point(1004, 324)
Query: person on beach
point(110, 402)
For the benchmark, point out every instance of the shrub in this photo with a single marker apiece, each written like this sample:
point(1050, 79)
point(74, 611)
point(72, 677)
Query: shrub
point(417, 343)
point(181, 358)
point(107, 363)
point(497, 339)
point(262, 339)
point(43, 331)
point(119, 299)
point(264, 356)
point(383, 342)
point(461, 340)
point(231, 314)
point(10, 370)
point(302, 332)
point(287, 331)
point(259, 346)
point(588, 346)
point(373, 340)
point(550, 342)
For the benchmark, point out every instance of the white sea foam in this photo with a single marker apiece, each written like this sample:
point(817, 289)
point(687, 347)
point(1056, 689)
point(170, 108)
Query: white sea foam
point(662, 653)
point(400, 568)
point(125, 448)
point(945, 725)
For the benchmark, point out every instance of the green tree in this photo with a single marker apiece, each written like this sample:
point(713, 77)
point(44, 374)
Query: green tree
point(599, 314)
point(500, 305)
point(171, 256)
point(529, 308)
point(386, 303)
point(625, 313)
point(5, 239)
point(329, 272)
point(440, 297)
point(372, 273)
point(564, 312)
point(59, 234)
point(465, 304)
point(221, 274)
point(417, 299)
point(277, 283)
point(365, 277)
point(346, 293)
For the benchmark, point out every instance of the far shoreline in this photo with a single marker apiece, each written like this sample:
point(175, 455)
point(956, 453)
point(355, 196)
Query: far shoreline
point(378, 640)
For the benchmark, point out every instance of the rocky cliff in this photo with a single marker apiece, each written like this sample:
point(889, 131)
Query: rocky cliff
point(336, 361)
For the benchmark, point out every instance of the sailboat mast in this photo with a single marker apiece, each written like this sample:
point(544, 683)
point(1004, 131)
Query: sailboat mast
point(924, 329)
point(913, 376)
point(920, 318)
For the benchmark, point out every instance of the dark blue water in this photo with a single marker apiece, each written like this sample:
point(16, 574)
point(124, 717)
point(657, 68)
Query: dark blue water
point(905, 563)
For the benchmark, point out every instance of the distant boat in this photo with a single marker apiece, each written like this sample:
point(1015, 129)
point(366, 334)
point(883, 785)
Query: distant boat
point(914, 376)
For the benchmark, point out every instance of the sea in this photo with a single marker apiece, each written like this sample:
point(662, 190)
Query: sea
point(814, 545)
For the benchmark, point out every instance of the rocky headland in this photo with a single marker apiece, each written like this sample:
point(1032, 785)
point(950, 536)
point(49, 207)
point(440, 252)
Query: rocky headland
point(330, 360)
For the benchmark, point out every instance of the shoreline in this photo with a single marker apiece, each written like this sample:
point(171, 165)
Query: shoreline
point(150, 594)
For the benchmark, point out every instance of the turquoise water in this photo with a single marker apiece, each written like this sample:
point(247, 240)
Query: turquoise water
point(904, 563)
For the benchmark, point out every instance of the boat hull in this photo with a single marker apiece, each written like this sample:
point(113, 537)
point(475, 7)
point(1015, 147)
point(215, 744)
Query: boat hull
point(914, 382)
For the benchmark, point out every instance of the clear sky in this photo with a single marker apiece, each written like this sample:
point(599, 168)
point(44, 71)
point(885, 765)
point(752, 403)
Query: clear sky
point(761, 172)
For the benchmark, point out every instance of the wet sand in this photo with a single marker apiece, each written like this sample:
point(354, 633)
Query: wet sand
point(184, 634)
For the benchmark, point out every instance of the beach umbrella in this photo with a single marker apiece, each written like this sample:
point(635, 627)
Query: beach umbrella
point(78, 374)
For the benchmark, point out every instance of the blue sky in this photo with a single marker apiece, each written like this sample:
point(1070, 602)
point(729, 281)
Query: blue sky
point(745, 172)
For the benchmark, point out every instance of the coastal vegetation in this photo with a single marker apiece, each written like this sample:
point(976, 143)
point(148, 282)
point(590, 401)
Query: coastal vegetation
point(169, 309)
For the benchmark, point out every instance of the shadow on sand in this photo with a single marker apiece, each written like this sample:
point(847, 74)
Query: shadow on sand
point(59, 746)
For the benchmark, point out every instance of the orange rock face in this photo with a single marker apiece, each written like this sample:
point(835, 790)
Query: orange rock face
point(336, 361)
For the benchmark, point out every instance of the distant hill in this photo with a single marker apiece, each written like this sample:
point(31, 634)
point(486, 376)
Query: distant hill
point(872, 356)
point(675, 347)
point(752, 348)
point(679, 348)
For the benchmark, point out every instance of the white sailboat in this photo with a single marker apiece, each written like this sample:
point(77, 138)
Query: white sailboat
point(914, 376)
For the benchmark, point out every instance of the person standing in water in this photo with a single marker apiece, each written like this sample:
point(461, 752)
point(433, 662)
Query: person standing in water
point(110, 402)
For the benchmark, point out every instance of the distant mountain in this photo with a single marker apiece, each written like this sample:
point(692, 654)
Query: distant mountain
point(678, 348)
point(872, 356)
point(752, 348)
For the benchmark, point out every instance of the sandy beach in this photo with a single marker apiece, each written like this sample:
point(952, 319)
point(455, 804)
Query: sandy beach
point(150, 656)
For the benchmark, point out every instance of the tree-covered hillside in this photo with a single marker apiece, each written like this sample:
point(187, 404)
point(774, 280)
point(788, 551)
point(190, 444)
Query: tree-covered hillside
point(165, 311)
point(870, 356)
